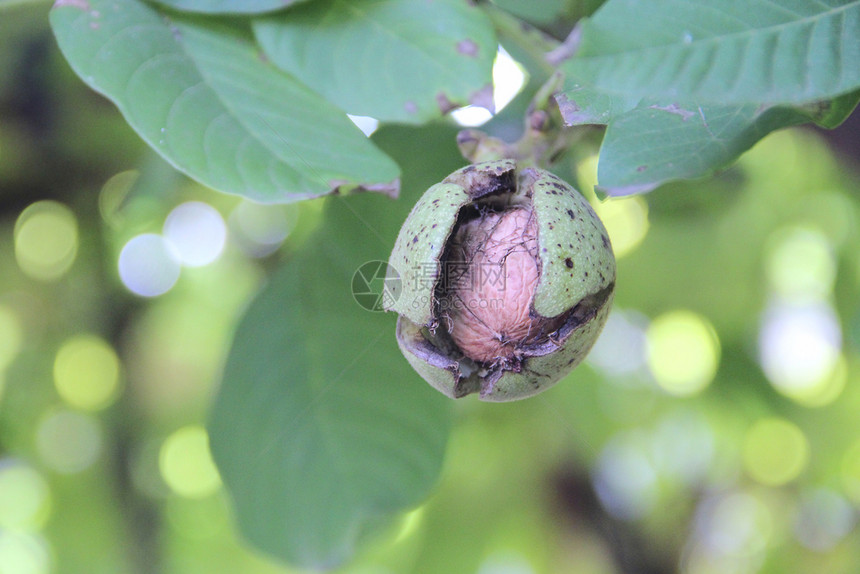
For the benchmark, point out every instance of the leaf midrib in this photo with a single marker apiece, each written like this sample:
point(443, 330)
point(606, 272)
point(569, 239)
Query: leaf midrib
point(751, 32)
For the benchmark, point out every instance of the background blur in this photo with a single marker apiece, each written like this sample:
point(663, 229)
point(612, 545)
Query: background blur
point(714, 429)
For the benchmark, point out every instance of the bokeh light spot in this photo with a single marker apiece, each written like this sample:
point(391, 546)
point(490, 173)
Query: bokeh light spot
point(822, 391)
point(625, 218)
point(46, 240)
point(197, 231)
point(799, 348)
point(24, 497)
point(260, 229)
point(620, 349)
point(149, 265)
point(186, 464)
point(775, 451)
point(69, 442)
point(823, 520)
point(86, 372)
point(683, 352)
point(801, 264)
point(23, 553)
point(625, 479)
point(735, 525)
point(11, 336)
point(626, 221)
point(684, 447)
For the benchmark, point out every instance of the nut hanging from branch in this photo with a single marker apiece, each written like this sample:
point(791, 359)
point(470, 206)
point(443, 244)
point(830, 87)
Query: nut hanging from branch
point(507, 277)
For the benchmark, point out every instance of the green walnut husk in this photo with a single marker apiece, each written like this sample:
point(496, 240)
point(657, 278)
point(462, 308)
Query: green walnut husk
point(575, 281)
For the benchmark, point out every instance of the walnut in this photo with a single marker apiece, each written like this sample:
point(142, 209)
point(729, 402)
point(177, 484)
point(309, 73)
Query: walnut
point(507, 279)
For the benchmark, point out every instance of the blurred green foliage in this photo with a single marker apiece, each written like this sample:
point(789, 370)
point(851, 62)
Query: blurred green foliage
point(713, 430)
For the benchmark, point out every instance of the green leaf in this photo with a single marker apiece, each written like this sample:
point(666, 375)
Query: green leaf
point(653, 144)
point(751, 51)
point(649, 143)
point(199, 93)
point(583, 105)
point(229, 6)
point(690, 129)
point(321, 429)
point(394, 60)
